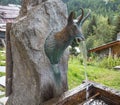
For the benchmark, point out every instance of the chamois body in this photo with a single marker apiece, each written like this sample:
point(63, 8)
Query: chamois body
point(55, 44)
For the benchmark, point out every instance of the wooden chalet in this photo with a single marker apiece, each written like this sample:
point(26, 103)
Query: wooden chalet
point(112, 48)
point(7, 14)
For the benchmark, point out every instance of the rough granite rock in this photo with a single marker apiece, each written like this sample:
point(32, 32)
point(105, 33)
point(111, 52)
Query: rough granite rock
point(33, 81)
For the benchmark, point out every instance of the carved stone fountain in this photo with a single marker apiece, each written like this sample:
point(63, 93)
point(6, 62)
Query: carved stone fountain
point(29, 80)
point(37, 58)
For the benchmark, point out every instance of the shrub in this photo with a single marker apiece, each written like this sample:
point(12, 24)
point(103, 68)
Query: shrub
point(2, 57)
point(2, 74)
point(109, 62)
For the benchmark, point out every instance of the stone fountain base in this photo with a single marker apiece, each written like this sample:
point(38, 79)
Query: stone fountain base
point(77, 96)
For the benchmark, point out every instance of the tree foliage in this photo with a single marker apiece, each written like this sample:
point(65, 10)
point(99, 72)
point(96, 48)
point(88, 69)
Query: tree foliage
point(117, 27)
point(104, 23)
point(6, 2)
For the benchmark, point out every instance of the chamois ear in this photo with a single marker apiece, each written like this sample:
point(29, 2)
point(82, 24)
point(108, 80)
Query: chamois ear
point(71, 17)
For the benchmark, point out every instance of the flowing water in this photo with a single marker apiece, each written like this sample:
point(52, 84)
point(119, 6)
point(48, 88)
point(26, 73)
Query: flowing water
point(82, 47)
point(95, 102)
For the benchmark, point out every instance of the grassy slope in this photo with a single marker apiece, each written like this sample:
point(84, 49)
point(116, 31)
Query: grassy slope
point(104, 76)
point(2, 60)
point(2, 63)
point(2, 57)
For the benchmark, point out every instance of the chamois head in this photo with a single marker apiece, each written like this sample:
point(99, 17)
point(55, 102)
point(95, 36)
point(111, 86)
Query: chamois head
point(74, 25)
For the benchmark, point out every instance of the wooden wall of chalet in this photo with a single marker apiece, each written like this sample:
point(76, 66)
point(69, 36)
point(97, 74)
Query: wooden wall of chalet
point(116, 50)
point(103, 53)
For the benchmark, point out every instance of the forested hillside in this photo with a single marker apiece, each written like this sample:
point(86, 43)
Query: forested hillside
point(104, 22)
point(6, 2)
point(97, 6)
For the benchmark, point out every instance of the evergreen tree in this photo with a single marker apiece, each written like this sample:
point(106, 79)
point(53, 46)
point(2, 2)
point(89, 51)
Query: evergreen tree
point(91, 25)
point(117, 28)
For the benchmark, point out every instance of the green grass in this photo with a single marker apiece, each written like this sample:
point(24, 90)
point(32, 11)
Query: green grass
point(2, 74)
point(2, 89)
point(2, 57)
point(2, 63)
point(108, 77)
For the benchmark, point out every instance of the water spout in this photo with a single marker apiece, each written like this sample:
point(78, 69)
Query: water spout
point(83, 50)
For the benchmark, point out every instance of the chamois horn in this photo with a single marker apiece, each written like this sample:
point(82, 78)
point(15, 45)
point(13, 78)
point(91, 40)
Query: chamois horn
point(82, 21)
point(80, 17)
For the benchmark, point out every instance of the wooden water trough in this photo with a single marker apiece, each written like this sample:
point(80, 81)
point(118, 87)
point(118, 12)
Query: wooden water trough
point(97, 92)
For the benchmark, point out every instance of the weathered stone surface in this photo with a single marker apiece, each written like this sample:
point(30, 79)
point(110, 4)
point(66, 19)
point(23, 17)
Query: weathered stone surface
point(33, 81)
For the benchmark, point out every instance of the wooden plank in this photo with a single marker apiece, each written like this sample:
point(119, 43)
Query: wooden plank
point(108, 96)
point(92, 97)
point(9, 62)
point(71, 97)
point(77, 96)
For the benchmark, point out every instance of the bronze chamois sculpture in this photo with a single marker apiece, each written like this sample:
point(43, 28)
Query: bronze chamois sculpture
point(57, 43)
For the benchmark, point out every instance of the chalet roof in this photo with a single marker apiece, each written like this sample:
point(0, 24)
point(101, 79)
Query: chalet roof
point(105, 46)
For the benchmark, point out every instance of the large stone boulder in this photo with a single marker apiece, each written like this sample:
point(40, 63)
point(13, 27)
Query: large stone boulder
point(32, 81)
